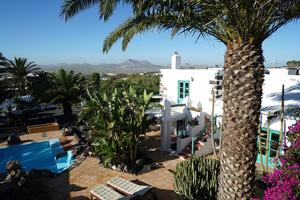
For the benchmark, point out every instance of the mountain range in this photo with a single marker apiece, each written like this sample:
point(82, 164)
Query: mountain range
point(128, 66)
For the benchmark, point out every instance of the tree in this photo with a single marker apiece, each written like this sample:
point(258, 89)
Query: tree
point(3, 61)
point(242, 26)
point(18, 72)
point(138, 82)
point(40, 84)
point(95, 80)
point(293, 63)
point(67, 88)
point(4, 91)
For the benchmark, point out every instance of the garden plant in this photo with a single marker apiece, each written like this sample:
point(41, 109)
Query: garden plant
point(284, 182)
point(118, 123)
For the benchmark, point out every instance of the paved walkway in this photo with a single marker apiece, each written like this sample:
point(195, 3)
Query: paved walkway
point(77, 183)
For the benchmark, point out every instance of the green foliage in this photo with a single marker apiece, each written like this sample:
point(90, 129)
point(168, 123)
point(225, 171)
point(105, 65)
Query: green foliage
point(94, 81)
point(118, 122)
point(293, 63)
point(246, 21)
point(3, 61)
point(67, 88)
point(197, 178)
point(39, 85)
point(5, 91)
point(18, 71)
point(138, 82)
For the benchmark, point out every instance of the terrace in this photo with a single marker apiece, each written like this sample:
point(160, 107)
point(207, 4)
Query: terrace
point(78, 181)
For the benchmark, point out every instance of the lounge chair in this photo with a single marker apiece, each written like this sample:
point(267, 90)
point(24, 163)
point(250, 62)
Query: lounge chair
point(128, 188)
point(102, 192)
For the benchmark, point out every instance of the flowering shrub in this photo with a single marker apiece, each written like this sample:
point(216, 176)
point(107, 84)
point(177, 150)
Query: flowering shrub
point(294, 131)
point(284, 182)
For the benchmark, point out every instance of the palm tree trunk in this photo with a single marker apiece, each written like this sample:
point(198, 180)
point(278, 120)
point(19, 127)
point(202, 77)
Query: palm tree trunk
point(67, 109)
point(243, 79)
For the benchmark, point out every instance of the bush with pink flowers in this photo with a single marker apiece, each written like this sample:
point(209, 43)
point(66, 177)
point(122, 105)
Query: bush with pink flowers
point(284, 182)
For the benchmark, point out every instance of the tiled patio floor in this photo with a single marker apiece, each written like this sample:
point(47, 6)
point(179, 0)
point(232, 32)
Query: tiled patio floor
point(67, 141)
point(77, 183)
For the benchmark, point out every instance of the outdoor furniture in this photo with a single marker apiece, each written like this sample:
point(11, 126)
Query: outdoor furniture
point(128, 188)
point(102, 192)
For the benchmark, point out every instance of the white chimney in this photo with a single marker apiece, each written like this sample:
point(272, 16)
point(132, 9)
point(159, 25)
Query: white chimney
point(176, 61)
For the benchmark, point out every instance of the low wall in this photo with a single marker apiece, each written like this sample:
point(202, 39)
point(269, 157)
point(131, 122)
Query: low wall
point(43, 128)
point(182, 143)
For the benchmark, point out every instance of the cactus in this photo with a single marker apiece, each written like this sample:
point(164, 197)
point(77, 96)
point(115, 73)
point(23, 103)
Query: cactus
point(197, 178)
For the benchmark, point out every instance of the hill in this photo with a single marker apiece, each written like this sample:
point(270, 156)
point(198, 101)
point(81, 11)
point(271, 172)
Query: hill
point(128, 66)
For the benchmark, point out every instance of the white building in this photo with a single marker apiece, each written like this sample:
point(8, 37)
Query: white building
point(193, 88)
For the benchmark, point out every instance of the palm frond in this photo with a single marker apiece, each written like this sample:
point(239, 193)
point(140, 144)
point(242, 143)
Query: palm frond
point(67, 86)
point(106, 8)
point(161, 21)
point(70, 8)
point(237, 20)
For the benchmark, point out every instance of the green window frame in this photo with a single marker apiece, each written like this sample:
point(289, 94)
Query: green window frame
point(183, 90)
point(272, 147)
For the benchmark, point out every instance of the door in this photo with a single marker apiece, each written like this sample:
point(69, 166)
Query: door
point(272, 147)
point(183, 90)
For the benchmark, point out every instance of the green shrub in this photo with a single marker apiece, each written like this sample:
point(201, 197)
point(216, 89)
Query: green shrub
point(138, 82)
point(197, 178)
point(118, 123)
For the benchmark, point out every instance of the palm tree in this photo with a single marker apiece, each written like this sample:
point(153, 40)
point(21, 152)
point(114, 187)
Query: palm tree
point(67, 89)
point(18, 72)
point(242, 26)
point(4, 91)
point(2, 60)
point(3, 63)
point(40, 84)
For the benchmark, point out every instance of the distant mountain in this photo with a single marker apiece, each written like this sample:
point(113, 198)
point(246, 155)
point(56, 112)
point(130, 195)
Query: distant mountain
point(191, 66)
point(128, 66)
point(131, 62)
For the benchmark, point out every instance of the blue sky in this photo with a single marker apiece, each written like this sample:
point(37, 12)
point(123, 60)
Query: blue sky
point(33, 29)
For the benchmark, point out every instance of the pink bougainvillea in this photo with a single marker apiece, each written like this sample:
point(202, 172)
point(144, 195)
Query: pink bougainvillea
point(284, 182)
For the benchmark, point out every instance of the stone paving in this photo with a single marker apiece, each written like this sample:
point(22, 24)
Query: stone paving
point(76, 183)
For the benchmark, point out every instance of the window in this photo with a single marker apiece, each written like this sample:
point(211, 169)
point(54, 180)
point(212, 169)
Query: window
point(183, 90)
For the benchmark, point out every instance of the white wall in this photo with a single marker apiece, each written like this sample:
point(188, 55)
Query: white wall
point(271, 100)
point(200, 89)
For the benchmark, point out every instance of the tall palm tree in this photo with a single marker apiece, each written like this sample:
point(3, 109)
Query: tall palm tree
point(67, 89)
point(18, 72)
point(242, 26)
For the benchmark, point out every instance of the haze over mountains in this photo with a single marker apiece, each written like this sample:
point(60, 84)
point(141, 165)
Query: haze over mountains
point(128, 66)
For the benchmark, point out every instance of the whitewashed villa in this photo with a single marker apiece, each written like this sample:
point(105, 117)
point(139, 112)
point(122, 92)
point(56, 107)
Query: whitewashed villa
point(187, 94)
